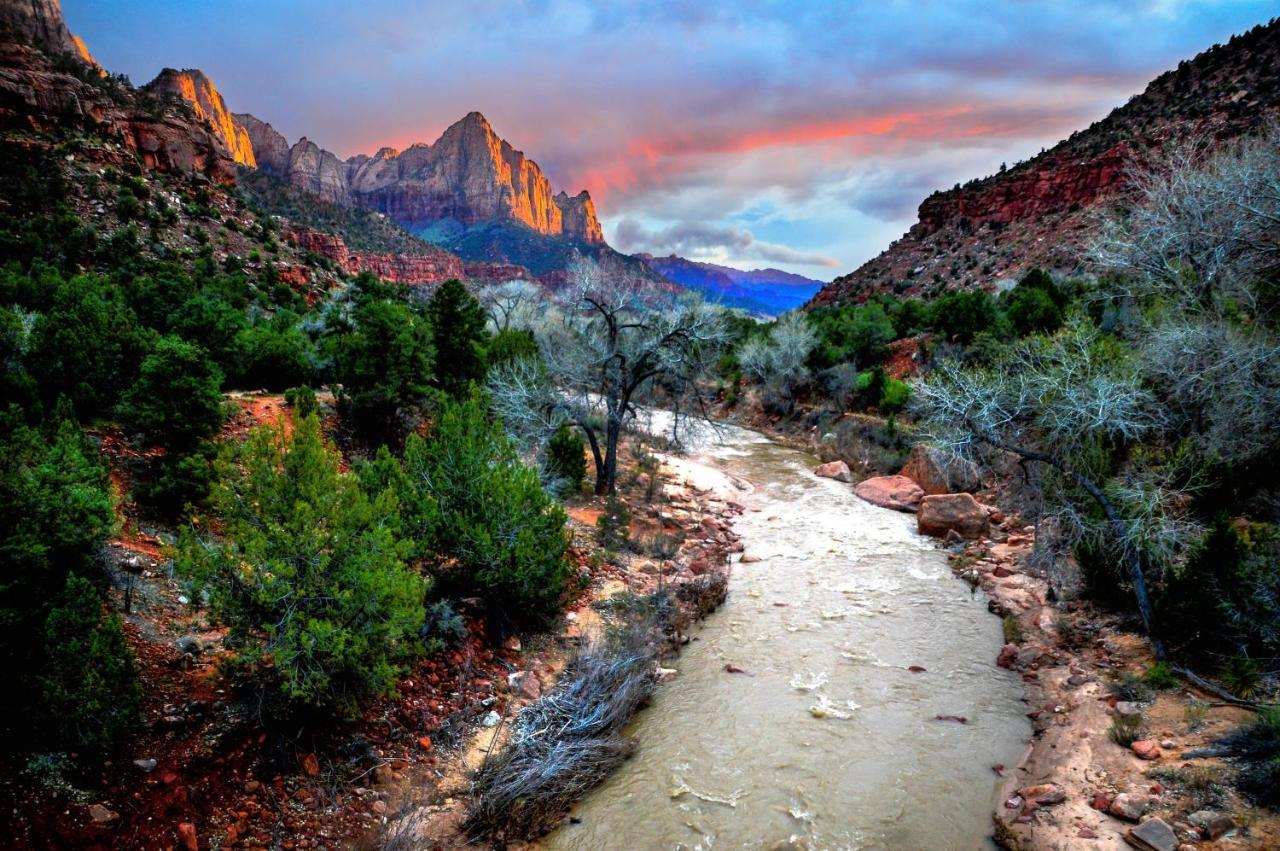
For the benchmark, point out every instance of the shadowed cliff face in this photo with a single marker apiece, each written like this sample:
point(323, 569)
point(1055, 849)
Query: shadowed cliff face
point(469, 175)
point(196, 89)
point(1041, 212)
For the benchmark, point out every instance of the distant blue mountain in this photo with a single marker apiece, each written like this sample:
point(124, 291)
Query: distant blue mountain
point(767, 292)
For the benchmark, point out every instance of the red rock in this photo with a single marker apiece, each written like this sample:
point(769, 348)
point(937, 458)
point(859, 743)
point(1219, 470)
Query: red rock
point(1101, 800)
point(1146, 749)
point(837, 470)
point(187, 836)
point(1008, 655)
point(1044, 794)
point(310, 765)
point(1086, 833)
point(1128, 805)
point(925, 467)
point(425, 743)
point(896, 492)
point(102, 815)
point(733, 669)
point(915, 669)
point(430, 267)
point(198, 91)
point(957, 512)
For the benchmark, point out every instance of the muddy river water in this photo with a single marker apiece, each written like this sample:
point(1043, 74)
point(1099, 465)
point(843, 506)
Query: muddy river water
point(828, 741)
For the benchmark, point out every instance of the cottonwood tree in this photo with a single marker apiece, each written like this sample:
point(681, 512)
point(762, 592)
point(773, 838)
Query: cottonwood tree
point(511, 304)
point(615, 342)
point(779, 362)
point(1197, 226)
point(1051, 403)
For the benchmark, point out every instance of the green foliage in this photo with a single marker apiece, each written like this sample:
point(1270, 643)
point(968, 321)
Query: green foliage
point(1161, 677)
point(613, 526)
point(1125, 729)
point(1226, 596)
point(963, 315)
point(478, 513)
point(275, 355)
point(1241, 676)
point(89, 684)
point(444, 624)
point(859, 335)
point(1035, 305)
point(87, 346)
point(566, 459)
point(176, 480)
point(384, 360)
point(55, 510)
point(458, 332)
point(176, 401)
point(303, 401)
point(511, 344)
point(309, 573)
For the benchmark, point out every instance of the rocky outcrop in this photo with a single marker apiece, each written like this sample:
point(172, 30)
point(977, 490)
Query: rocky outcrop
point(578, 217)
point(936, 474)
point(896, 492)
point(318, 171)
point(496, 273)
point(397, 268)
point(40, 24)
point(1040, 213)
point(35, 94)
point(469, 176)
point(953, 512)
point(270, 148)
point(192, 86)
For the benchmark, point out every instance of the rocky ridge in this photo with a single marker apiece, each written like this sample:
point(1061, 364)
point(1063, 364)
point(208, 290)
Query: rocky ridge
point(1040, 213)
point(192, 86)
point(469, 175)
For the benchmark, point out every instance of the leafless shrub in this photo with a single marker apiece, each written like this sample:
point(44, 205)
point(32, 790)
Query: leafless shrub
point(565, 744)
point(779, 363)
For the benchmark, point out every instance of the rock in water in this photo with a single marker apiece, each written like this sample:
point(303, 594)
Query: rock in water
point(837, 470)
point(953, 512)
point(897, 492)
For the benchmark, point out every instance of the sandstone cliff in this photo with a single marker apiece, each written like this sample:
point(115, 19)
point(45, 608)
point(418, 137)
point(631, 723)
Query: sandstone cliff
point(1040, 212)
point(397, 268)
point(468, 176)
point(40, 90)
point(192, 86)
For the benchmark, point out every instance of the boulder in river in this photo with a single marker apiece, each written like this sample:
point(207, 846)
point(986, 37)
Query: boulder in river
point(897, 492)
point(837, 470)
point(958, 512)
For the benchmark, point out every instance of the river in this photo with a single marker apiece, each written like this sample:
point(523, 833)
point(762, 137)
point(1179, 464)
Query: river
point(828, 740)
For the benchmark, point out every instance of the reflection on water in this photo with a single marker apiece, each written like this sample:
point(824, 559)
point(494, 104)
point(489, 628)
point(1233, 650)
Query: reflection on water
point(828, 741)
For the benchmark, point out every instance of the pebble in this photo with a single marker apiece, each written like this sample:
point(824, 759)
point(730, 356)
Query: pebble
point(491, 719)
point(145, 765)
point(101, 815)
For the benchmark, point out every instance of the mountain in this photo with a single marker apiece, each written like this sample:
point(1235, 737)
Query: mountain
point(1041, 212)
point(192, 86)
point(767, 292)
point(469, 191)
point(49, 83)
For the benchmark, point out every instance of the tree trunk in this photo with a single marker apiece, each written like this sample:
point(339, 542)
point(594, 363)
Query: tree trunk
point(594, 443)
point(607, 484)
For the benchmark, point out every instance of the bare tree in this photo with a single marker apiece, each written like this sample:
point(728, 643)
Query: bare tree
point(1197, 224)
point(1048, 403)
point(617, 342)
point(511, 304)
point(779, 363)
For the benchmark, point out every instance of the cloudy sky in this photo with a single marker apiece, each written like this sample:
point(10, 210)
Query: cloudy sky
point(800, 135)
